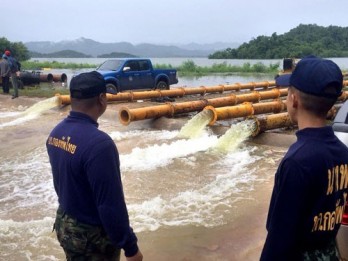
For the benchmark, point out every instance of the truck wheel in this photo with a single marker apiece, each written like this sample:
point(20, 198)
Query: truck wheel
point(162, 85)
point(111, 88)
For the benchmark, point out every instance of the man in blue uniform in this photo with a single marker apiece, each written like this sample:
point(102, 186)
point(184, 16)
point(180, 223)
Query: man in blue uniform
point(311, 183)
point(92, 220)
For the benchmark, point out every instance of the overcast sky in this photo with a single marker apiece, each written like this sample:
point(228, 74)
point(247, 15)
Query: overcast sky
point(163, 21)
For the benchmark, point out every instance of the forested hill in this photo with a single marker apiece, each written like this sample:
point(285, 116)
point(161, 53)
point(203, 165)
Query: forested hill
point(331, 41)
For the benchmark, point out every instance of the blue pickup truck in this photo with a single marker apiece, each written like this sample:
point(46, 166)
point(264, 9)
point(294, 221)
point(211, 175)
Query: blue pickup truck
point(135, 74)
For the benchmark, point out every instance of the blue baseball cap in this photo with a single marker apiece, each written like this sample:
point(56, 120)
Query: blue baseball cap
point(87, 85)
point(312, 75)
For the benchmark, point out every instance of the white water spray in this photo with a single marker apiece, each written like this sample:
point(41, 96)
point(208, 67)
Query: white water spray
point(32, 112)
point(235, 136)
point(194, 127)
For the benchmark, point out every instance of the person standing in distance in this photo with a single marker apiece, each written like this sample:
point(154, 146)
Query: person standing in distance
point(14, 69)
point(310, 187)
point(92, 220)
point(5, 74)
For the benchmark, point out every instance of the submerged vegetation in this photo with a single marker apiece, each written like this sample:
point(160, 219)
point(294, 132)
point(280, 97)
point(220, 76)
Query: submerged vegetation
point(36, 65)
point(186, 68)
point(190, 68)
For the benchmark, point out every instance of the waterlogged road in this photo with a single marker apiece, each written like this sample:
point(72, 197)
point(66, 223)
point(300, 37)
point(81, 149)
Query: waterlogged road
point(188, 198)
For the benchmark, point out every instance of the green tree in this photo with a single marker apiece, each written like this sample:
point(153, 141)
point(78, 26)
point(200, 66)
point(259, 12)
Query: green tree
point(18, 49)
point(331, 41)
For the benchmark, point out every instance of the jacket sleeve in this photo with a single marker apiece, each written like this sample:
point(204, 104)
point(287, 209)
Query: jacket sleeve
point(284, 224)
point(103, 170)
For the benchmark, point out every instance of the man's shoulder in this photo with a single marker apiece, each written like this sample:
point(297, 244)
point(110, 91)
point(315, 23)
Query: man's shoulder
point(103, 138)
point(13, 64)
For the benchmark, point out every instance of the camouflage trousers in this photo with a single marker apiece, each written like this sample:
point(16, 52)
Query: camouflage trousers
point(83, 242)
point(329, 253)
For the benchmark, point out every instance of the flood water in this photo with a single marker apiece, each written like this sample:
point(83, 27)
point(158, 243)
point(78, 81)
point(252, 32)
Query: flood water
point(190, 197)
point(187, 81)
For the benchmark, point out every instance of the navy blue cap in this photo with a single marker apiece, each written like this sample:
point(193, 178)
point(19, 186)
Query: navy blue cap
point(312, 75)
point(87, 85)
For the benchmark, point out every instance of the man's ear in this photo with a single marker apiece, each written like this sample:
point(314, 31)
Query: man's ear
point(294, 99)
point(102, 99)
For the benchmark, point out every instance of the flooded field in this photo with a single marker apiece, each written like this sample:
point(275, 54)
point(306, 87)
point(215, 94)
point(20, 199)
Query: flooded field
point(200, 196)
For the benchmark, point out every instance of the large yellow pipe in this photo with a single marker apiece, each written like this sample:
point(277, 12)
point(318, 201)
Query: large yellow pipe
point(257, 108)
point(127, 115)
point(179, 92)
point(245, 109)
point(280, 120)
point(270, 122)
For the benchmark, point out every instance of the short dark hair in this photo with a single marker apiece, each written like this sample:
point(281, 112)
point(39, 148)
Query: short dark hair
point(317, 105)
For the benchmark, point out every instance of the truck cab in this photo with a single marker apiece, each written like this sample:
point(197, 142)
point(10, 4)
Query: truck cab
point(135, 74)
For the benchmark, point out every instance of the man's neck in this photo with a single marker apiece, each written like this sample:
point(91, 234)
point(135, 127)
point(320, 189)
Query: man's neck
point(90, 113)
point(310, 121)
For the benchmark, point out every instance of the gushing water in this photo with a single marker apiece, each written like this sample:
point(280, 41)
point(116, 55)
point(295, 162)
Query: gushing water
point(32, 112)
point(159, 155)
point(168, 182)
point(194, 127)
point(235, 136)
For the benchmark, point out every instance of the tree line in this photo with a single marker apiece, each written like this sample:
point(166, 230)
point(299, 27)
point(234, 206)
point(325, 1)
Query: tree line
point(17, 49)
point(331, 41)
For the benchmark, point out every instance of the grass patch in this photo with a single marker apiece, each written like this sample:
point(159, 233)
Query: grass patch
point(44, 90)
point(36, 65)
point(189, 68)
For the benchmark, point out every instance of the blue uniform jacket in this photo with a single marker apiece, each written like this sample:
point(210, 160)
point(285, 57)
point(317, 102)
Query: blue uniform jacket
point(309, 195)
point(86, 175)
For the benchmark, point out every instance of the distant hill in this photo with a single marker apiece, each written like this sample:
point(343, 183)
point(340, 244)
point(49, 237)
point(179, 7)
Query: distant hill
point(60, 54)
point(94, 48)
point(331, 41)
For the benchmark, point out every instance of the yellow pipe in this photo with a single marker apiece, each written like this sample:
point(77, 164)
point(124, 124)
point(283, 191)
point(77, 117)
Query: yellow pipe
point(127, 115)
point(179, 92)
point(248, 109)
point(280, 120)
point(245, 109)
point(270, 122)
point(63, 99)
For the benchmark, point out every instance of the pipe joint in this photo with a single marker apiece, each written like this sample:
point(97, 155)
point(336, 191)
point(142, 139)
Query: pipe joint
point(213, 114)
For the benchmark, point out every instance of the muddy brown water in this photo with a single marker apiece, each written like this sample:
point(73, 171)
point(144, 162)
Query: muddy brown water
point(186, 202)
